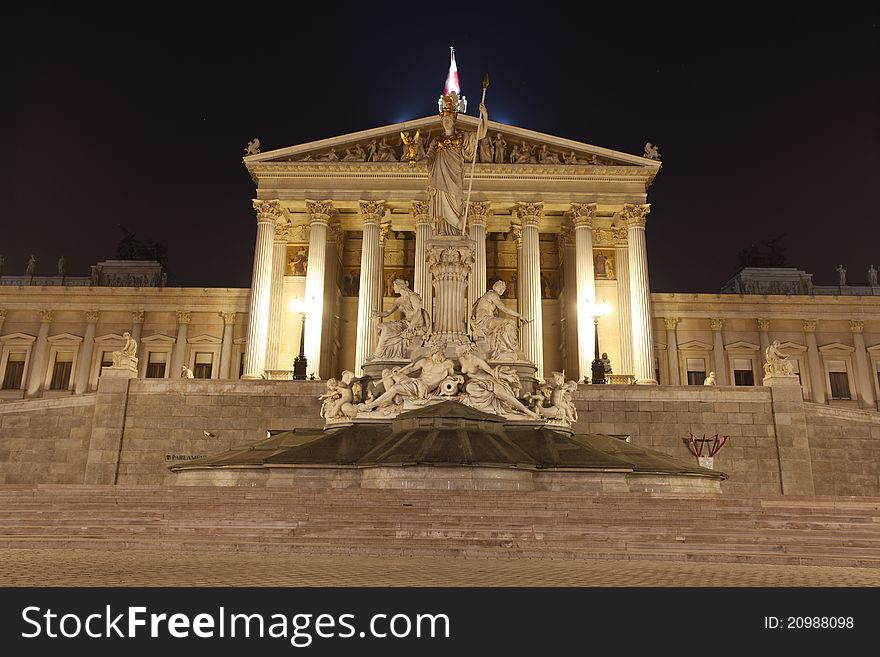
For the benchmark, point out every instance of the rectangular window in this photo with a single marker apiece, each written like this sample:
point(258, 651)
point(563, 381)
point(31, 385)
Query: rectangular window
point(203, 365)
point(838, 379)
point(797, 368)
point(156, 364)
point(14, 371)
point(743, 374)
point(62, 370)
point(106, 360)
point(696, 371)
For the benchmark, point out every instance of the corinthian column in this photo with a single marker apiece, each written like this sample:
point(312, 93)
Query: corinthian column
point(179, 353)
point(226, 345)
point(672, 351)
point(137, 329)
point(37, 370)
point(371, 215)
point(582, 218)
point(268, 213)
point(640, 299)
point(717, 326)
point(422, 280)
point(866, 378)
point(817, 375)
point(84, 361)
point(276, 293)
point(320, 213)
point(530, 281)
point(764, 337)
point(478, 214)
point(624, 305)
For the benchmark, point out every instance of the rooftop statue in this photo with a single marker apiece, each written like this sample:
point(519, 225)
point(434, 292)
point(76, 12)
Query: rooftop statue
point(253, 147)
point(651, 152)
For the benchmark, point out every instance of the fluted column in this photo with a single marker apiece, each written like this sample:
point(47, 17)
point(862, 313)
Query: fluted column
point(582, 215)
point(320, 213)
point(422, 280)
point(717, 326)
point(624, 308)
point(371, 215)
point(268, 213)
point(478, 215)
point(179, 354)
point(226, 370)
point(330, 331)
point(2, 319)
point(37, 369)
point(863, 363)
point(516, 229)
point(568, 300)
point(672, 350)
point(384, 230)
point(817, 373)
point(529, 215)
point(137, 330)
point(640, 299)
point(764, 339)
point(84, 361)
point(276, 295)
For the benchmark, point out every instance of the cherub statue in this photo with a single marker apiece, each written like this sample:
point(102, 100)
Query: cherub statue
point(557, 393)
point(651, 152)
point(253, 147)
point(709, 380)
point(340, 400)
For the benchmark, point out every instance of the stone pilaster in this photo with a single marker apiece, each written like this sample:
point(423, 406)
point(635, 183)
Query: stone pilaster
point(37, 370)
point(372, 213)
point(137, 330)
point(814, 362)
point(478, 214)
point(672, 350)
point(569, 316)
point(2, 319)
point(792, 437)
point(624, 308)
point(422, 280)
point(276, 294)
point(84, 360)
point(320, 214)
point(863, 364)
point(640, 293)
point(764, 339)
point(268, 213)
point(582, 215)
point(226, 370)
point(516, 229)
point(717, 326)
point(178, 356)
point(384, 231)
point(529, 215)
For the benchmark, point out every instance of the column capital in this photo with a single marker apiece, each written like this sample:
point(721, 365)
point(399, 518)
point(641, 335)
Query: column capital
point(268, 211)
point(634, 215)
point(373, 211)
point(320, 212)
point(810, 325)
point(582, 214)
point(92, 316)
point(228, 317)
point(856, 325)
point(529, 213)
point(763, 324)
point(671, 323)
point(183, 316)
point(516, 229)
point(716, 324)
point(45, 315)
point(384, 230)
point(479, 212)
point(421, 212)
point(137, 316)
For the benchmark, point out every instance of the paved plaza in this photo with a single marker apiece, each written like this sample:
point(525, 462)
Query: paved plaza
point(154, 568)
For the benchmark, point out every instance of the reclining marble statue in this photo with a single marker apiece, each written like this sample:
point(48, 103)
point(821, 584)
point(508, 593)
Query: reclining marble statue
point(397, 338)
point(489, 389)
point(435, 367)
point(488, 321)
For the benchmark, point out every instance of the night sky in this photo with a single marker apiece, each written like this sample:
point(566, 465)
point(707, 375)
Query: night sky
point(766, 124)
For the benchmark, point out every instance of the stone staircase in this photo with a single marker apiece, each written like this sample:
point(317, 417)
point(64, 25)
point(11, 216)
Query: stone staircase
point(539, 525)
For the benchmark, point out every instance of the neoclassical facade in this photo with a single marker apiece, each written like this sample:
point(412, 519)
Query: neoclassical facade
point(338, 221)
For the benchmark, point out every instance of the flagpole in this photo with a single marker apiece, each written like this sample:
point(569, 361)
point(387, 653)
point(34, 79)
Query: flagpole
point(467, 203)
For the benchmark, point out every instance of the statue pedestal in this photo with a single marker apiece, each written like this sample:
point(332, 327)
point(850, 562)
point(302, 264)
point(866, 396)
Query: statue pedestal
point(450, 259)
point(373, 368)
point(126, 369)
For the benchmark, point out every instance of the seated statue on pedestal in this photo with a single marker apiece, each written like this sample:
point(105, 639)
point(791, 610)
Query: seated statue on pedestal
point(489, 389)
point(434, 369)
point(502, 333)
point(397, 338)
point(127, 356)
point(777, 362)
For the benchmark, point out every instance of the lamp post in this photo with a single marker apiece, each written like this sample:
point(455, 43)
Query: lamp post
point(300, 363)
point(597, 310)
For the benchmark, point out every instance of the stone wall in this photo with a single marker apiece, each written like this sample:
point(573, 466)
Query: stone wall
point(845, 450)
point(45, 441)
point(663, 417)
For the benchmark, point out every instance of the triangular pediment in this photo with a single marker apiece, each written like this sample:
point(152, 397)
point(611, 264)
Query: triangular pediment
point(384, 145)
point(695, 345)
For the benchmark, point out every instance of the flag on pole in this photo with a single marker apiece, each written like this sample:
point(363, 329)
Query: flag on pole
point(452, 77)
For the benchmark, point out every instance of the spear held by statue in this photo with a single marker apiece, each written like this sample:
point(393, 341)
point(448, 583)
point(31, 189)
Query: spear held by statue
point(467, 203)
